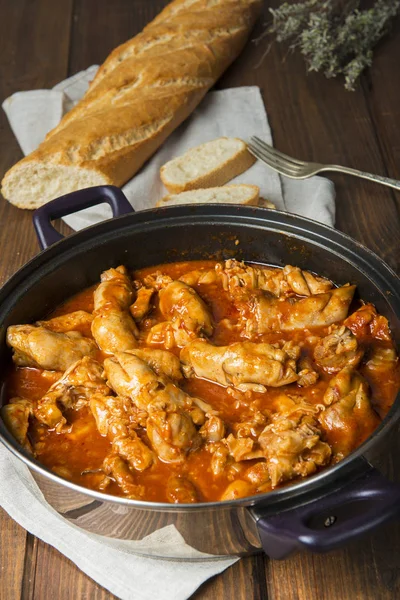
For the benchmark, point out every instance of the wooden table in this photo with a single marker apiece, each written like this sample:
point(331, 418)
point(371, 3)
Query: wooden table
point(41, 43)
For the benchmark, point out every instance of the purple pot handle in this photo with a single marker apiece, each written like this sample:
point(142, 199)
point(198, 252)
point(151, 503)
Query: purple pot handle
point(331, 521)
point(74, 202)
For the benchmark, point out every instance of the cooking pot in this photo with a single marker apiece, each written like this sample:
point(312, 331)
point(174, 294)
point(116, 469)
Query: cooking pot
point(319, 513)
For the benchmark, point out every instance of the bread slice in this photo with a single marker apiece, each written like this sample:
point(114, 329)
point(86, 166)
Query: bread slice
point(208, 165)
point(227, 194)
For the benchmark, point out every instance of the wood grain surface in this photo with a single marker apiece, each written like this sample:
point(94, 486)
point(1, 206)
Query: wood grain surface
point(42, 42)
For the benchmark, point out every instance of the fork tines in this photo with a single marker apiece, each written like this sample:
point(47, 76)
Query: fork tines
point(284, 164)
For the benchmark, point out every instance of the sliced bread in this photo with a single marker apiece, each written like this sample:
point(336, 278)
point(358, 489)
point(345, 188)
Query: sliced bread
point(208, 165)
point(227, 194)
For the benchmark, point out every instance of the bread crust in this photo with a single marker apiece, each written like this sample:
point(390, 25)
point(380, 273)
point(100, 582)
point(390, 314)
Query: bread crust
point(142, 92)
point(197, 196)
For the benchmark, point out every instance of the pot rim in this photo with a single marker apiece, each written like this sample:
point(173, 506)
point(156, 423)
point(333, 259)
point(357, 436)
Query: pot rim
point(300, 228)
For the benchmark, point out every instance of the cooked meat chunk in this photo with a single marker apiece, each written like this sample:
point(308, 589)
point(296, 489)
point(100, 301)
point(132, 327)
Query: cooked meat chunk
point(305, 283)
point(16, 416)
point(350, 417)
point(258, 474)
point(292, 446)
point(142, 304)
point(242, 364)
point(129, 376)
point(170, 427)
point(305, 370)
point(170, 334)
point(365, 322)
point(241, 448)
point(115, 419)
point(213, 429)
point(171, 432)
point(382, 359)
point(116, 468)
point(161, 361)
point(219, 460)
point(39, 347)
point(339, 386)
point(181, 303)
point(181, 490)
point(337, 350)
point(239, 279)
point(238, 489)
point(73, 389)
point(270, 315)
point(113, 327)
point(200, 277)
point(79, 320)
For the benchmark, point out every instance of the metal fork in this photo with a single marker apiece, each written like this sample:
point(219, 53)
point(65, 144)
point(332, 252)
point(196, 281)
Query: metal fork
point(299, 169)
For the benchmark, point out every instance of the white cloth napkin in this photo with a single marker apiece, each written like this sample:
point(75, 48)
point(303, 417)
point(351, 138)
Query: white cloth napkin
point(237, 112)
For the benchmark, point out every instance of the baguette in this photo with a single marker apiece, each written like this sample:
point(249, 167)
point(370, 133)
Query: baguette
point(226, 194)
point(208, 165)
point(142, 92)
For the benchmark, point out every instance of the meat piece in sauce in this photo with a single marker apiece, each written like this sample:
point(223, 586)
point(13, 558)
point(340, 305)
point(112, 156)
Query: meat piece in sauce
point(350, 418)
point(187, 314)
point(244, 365)
point(41, 348)
point(116, 418)
point(79, 320)
point(382, 359)
point(170, 427)
point(268, 314)
point(116, 468)
point(113, 327)
point(16, 415)
point(238, 279)
point(365, 322)
point(73, 389)
point(142, 304)
point(292, 445)
point(181, 490)
point(161, 361)
point(213, 429)
point(238, 489)
point(337, 350)
point(180, 302)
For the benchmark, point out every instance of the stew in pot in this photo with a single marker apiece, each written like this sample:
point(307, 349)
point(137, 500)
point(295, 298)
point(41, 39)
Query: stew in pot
point(200, 381)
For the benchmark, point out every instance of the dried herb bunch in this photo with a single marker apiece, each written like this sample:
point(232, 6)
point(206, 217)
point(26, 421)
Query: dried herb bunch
point(335, 36)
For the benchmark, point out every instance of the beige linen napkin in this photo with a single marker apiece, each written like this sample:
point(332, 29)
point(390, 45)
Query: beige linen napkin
point(236, 112)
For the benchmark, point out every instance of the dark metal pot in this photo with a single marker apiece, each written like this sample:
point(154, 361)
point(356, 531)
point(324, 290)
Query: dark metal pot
point(320, 513)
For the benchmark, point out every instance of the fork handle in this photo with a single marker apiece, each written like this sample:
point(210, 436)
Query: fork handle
point(393, 183)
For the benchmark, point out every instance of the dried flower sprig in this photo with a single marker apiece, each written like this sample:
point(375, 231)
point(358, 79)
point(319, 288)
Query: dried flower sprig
point(335, 37)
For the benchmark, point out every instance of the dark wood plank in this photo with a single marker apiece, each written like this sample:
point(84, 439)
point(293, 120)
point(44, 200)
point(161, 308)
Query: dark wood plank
point(382, 90)
point(98, 28)
point(12, 553)
point(66, 581)
point(245, 580)
point(33, 54)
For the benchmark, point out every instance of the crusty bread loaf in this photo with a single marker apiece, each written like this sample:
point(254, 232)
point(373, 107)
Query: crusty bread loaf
point(226, 194)
point(208, 165)
point(143, 91)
